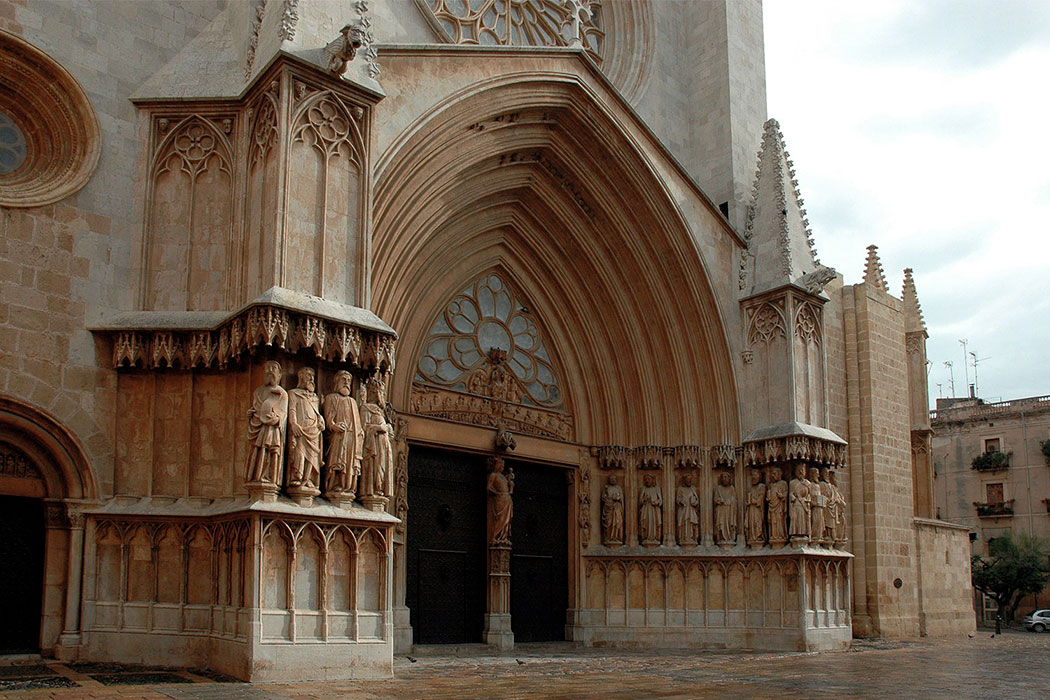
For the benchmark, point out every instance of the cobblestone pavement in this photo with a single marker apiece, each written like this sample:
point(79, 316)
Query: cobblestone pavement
point(1015, 666)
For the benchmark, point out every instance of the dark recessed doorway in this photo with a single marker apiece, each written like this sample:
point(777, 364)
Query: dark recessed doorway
point(21, 573)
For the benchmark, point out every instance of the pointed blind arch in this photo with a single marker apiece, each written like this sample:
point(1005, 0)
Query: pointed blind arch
point(485, 341)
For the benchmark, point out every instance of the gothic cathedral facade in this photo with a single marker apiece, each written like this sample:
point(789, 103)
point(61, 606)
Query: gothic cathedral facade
point(333, 327)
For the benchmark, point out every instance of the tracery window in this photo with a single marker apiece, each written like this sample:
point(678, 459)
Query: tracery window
point(521, 22)
point(486, 327)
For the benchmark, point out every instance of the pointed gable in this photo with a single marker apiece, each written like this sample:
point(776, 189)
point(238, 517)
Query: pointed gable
point(780, 243)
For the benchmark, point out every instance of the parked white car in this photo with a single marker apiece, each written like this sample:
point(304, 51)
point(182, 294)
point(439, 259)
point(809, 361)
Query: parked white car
point(1038, 621)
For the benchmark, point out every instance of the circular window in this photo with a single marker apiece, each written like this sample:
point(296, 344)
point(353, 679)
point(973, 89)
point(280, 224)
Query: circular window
point(49, 133)
point(12, 145)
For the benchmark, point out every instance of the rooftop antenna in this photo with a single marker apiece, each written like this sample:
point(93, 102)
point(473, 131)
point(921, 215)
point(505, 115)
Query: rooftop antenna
point(976, 361)
point(951, 377)
point(966, 365)
point(940, 394)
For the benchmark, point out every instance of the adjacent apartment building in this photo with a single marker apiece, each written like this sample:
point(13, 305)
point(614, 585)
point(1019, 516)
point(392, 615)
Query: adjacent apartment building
point(992, 473)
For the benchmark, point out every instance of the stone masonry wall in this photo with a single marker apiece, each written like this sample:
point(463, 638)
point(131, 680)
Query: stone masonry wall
point(943, 553)
point(65, 266)
point(880, 464)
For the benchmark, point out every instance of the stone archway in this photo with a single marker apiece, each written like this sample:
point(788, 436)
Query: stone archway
point(534, 180)
point(44, 477)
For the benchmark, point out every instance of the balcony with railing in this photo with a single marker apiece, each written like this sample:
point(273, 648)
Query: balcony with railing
point(991, 461)
point(1002, 509)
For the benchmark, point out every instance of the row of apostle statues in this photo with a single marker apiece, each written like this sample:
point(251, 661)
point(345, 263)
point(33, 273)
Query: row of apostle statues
point(811, 509)
point(346, 440)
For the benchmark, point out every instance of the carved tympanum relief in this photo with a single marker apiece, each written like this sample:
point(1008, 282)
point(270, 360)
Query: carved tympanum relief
point(522, 22)
point(485, 362)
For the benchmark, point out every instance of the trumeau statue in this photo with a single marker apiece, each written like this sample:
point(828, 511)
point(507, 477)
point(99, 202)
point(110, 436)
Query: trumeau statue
point(346, 438)
point(266, 425)
point(305, 426)
point(650, 512)
point(612, 512)
point(776, 498)
point(378, 458)
point(500, 487)
point(755, 515)
point(817, 506)
point(800, 505)
point(725, 509)
point(688, 519)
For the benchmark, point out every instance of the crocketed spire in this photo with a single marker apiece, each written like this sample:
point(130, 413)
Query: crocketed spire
point(913, 320)
point(873, 273)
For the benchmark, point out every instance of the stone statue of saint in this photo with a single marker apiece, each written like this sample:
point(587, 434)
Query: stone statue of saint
point(776, 499)
point(800, 505)
point(840, 511)
point(500, 487)
point(305, 426)
point(346, 438)
point(827, 536)
point(266, 425)
point(688, 517)
point(755, 515)
point(650, 512)
point(725, 509)
point(378, 456)
point(612, 512)
point(817, 507)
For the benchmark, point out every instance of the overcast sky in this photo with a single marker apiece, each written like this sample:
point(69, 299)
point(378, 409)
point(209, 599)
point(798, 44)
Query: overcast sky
point(922, 126)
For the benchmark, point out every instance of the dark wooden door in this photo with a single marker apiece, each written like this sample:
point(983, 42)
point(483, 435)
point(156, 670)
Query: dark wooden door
point(539, 553)
point(446, 546)
point(21, 573)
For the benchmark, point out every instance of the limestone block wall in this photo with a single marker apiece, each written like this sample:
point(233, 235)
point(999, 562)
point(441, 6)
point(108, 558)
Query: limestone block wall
point(779, 601)
point(66, 265)
point(880, 461)
point(235, 592)
point(946, 594)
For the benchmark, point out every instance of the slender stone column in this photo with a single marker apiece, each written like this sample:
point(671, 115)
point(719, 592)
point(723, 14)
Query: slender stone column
point(497, 618)
point(69, 641)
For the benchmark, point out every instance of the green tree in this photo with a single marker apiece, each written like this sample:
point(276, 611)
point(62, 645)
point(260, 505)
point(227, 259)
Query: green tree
point(1013, 569)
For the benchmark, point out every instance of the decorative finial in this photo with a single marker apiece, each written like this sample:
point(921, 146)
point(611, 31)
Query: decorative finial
point(913, 320)
point(873, 273)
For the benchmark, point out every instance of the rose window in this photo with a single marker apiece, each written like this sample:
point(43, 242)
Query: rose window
point(521, 22)
point(488, 316)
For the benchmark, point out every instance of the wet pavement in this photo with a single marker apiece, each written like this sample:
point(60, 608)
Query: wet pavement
point(1015, 665)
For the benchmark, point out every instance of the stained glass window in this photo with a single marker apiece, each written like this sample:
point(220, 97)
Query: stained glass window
point(12, 145)
point(486, 316)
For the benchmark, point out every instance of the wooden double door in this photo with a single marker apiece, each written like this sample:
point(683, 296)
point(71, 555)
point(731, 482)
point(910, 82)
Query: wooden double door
point(446, 548)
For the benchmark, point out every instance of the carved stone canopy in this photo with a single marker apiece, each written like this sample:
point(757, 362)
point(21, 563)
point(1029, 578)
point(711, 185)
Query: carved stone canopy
point(279, 318)
point(794, 440)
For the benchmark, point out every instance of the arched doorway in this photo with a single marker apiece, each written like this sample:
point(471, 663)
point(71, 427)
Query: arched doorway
point(22, 492)
point(537, 183)
point(44, 479)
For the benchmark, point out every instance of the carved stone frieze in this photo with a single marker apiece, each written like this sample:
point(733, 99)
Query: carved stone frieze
point(812, 449)
point(258, 326)
point(688, 456)
point(15, 464)
point(723, 455)
point(649, 456)
point(490, 412)
point(583, 519)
